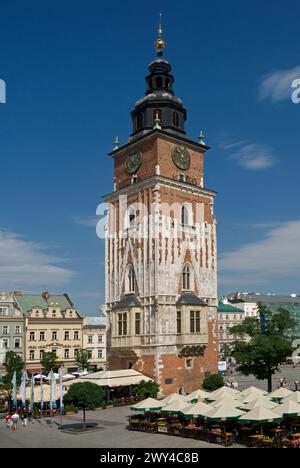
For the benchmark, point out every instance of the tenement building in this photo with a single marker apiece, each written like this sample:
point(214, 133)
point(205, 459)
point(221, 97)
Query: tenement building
point(228, 317)
point(11, 328)
point(161, 245)
point(52, 324)
point(94, 341)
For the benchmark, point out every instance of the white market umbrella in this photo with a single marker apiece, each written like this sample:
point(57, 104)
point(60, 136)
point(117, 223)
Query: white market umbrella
point(261, 414)
point(173, 397)
point(40, 376)
point(56, 376)
point(253, 390)
point(280, 393)
point(175, 407)
point(68, 377)
point(150, 404)
point(224, 413)
point(288, 408)
point(252, 396)
point(295, 396)
point(196, 410)
point(198, 395)
point(228, 402)
point(260, 401)
point(223, 392)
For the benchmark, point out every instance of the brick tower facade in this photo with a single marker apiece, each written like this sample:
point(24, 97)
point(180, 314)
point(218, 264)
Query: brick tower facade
point(161, 244)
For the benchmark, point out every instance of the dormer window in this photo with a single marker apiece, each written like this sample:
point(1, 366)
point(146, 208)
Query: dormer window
point(53, 313)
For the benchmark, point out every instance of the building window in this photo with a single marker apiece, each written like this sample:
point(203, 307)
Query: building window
point(42, 336)
point(156, 115)
point(5, 330)
point(54, 352)
point(54, 336)
point(53, 313)
point(18, 329)
point(159, 82)
point(137, 323)
point(76, 352)
point(178, 322)
point(31, 336)
point(130, 280)
point(5, 343)
point(90, 354)
point(139, 121)
point(42, 352)
point(3, 311)
point(67, 353)
point(37, 313)
point(100, 338)
point(67, 335)
point(189, 363)
point(100, 353)
point(71, 313)
point(31, 355)
point(195, 321)
point(168, 381)
point(122, 324)
point(90, 339)
point(186, 283)
point(175, 119)
point(76, 335)
point(131, 217)
point(17, 343)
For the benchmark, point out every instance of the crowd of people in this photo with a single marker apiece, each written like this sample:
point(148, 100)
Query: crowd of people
point(13, 419)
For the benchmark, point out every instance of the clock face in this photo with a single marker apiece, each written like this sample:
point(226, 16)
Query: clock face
point(181, 157)
point(133, 162)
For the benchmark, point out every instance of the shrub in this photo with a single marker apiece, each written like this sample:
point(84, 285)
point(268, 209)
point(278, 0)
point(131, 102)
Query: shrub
point(213, 382)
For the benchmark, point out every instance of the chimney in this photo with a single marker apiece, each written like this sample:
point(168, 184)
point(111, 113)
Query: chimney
point(45, 295)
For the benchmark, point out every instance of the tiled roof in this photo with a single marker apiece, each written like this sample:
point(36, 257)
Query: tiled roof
point(94, 322)
point(189, 298)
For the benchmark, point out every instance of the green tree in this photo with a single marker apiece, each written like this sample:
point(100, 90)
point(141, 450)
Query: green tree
point(84, 395)
point(13, 362)
point(213, 382)
point(83, 360)
point(48, 361)
point(263, 344)
point(147, 389)
point(227, 351)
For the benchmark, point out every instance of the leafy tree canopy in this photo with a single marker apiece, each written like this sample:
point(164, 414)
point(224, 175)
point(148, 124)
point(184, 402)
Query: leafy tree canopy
point(48, 361)
point(213, 382)
point(82, 359)
point(13, 362)
point(263, 344)
point(147, 389)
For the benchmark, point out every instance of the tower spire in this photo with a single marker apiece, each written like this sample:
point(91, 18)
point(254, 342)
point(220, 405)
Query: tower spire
point(160, 43)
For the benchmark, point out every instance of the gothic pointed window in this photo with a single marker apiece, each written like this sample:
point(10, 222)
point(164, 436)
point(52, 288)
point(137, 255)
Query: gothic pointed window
point(186, 277)
point(130, 280)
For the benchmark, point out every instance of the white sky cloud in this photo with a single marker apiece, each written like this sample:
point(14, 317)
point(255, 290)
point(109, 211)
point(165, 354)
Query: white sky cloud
point(27, 264)
point(276, 256)
point(254, 156)
point(88, 221)
point(277, 86)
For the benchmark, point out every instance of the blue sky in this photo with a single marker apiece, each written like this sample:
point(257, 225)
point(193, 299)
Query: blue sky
point(73, 75)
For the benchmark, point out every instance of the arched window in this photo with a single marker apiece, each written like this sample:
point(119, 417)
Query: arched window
point(159, 82)
point(130, 279)
point(175, 119)
point(150, 84)
point(167, 83)
point(131, 217)
point(185, 216)
point(156, 114)
point(139, 121)
point(186, 277)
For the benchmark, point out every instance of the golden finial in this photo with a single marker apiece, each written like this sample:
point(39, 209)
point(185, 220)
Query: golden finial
point(160, 43)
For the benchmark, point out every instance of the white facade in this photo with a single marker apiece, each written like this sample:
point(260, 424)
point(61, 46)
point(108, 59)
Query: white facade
point(94, 341)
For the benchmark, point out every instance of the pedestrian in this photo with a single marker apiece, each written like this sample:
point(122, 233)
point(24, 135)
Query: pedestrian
point(281, 382)
point(15, 420)
point(284, 382)
point(296, 383)
point(25, 419)
point(9, 421)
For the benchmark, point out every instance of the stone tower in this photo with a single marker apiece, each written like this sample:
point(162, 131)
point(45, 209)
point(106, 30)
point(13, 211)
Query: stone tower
point(161, 245)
